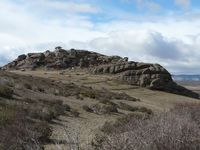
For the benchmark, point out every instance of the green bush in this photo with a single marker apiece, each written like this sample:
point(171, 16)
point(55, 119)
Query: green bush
point(6, 92)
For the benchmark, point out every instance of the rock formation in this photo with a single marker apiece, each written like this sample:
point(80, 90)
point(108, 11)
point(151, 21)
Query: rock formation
point(152, 76)
point(60, 59)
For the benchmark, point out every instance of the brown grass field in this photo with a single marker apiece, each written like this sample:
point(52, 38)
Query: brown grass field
point(88, 124)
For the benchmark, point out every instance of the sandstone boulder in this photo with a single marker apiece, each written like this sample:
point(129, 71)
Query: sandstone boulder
point(152, 76)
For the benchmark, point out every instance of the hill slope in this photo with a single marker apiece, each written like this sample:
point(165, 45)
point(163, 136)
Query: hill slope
point(152, 76)
point(50, 86)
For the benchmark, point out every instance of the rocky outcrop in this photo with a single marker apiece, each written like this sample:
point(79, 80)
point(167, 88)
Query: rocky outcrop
point(152, 76)
point(142, 74)
point(61, 59)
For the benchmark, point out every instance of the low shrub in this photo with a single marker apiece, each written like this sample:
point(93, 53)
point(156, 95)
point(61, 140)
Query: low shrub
point(28, 86)
point(87, 108)
point(66, 107)
point(176, 129)
point(75, 113)
point(40, 89)
point(6, 116)
point(18, 132)
point(6, 92)
point(108, 102)
point(88, 93)
point(48, 110)
point(127, 107)
point(43, 130)
point(102, 109)
point(79, 96)
point(56, 110)
point(116, 126)
point(43, 114)
point(145, 110)
point(125, 96)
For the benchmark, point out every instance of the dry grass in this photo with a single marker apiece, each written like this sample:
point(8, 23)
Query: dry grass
point(68, 87)
point(18, 132)
point(6, 92)
point(171, 130)
point(127, 107)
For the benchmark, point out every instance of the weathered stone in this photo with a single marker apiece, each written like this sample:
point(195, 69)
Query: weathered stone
point(21, 57)
point(38, 56)
point(152, 76)
point(112, 69)
point(61, 59)
point(106, 69)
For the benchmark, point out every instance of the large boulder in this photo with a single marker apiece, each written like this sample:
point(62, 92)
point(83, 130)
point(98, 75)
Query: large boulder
point(21, 57)
point(152, 76)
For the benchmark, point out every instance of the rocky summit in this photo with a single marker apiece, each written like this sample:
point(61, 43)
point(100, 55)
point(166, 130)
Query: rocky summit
point(60, 59)
point(152, 76)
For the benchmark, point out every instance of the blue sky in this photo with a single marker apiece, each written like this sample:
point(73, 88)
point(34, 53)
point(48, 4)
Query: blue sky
point(156, 31)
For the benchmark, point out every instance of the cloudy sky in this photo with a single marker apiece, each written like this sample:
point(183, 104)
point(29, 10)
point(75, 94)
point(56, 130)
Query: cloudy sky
point(156, 31)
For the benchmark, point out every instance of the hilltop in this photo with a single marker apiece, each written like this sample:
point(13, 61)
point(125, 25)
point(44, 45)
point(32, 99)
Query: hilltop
point(152, 76)
point(68, 98)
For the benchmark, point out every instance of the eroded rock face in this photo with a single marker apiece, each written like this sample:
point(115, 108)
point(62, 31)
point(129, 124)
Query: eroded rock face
point(142, 74)
point(61, 59)
point(152, 76)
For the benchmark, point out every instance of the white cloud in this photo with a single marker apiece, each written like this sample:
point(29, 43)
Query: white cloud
point(172, 41)
point(69, 6)
point(183, 3)
point(145, 4)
